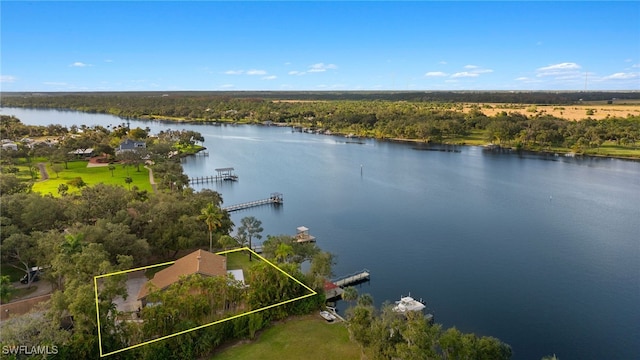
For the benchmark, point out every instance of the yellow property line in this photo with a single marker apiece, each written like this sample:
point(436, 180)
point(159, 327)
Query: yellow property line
point(95, 284)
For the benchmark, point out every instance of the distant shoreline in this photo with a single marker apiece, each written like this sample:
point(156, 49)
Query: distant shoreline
point(609, 149)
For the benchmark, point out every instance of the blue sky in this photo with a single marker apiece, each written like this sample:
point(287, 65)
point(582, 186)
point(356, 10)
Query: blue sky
point(236, 45)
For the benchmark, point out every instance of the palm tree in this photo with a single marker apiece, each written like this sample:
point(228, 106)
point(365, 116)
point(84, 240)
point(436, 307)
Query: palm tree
point(73, 243)
point(350, 294)
point(227, 242)
point(251, 227)
point(283, 252)
point(212, 216)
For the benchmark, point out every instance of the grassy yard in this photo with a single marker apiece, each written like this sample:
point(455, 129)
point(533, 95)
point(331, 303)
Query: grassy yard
point(308, 337)
point(611, 149)
point(93, 176)
point(239, 260)
point(14, 274)
point(20, 293)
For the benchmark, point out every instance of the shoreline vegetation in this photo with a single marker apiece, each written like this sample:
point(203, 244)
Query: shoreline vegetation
point(600, 124)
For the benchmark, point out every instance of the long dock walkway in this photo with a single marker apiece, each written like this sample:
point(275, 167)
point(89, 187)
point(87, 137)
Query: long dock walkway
point(212, 178)
point(275, 199)
point(223, 174)
point(351, 279)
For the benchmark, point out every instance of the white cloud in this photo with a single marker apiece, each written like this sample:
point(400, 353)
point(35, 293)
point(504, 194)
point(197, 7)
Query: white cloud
point(108, 61)
point(256, 72)
point(234, 72)
point(621, 76)
point(435, 73)
point(442, 63)
point(465, 74)
point(558, 69)
point(635, 66)
point(527, 80)
point(473, 71)
point(270, 77)
point(7, 79)
point(79, 64)
point(296, 72)
point(321, 67)
point(561, 66)
point(227, 86)
point(54, 83)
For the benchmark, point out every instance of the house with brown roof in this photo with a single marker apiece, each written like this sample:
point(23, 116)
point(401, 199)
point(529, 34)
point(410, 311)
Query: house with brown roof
point(199, 262)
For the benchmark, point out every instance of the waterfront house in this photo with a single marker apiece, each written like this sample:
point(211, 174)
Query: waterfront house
point(130, 145)
point(9, 145)
point(199, 262)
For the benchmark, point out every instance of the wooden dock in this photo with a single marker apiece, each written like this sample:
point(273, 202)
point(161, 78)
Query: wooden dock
point(352, 279)
point(224, 174)
point(212, 178)
point(275, 199)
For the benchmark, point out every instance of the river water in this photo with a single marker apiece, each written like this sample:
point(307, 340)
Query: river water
point(542, 252)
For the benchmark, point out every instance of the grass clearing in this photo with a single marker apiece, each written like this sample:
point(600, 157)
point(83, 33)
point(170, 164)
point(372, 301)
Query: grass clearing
point(611, 149)
point(93, 176)
point(14, 274)
point(22, 292)
point(239, 260)
point(306, 337)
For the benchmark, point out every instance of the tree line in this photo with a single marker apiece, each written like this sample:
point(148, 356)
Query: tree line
point(430, 117)
point(386, 334)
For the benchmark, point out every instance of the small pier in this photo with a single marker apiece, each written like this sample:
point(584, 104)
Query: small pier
point(275, 199)
point(223, 174)
point(332, 291)
point(302, 235)
point(352, 279)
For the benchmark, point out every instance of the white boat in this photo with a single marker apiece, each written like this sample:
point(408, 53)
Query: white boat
point(407, 303)
point(327, 315)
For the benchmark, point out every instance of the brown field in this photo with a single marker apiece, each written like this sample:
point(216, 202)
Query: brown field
point(569, 112)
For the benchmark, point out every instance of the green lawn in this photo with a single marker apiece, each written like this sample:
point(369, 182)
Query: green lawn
point(611, 149)
point(93, 176)
point(240, 260)
point(20, 293)
point(308, 337)
point(14, 274)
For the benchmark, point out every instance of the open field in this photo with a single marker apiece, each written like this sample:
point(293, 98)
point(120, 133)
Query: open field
point(307, 337)
point(93, 176)
point(599, 110)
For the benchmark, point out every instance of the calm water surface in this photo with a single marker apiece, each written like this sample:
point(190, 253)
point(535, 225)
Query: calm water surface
point(541, 252)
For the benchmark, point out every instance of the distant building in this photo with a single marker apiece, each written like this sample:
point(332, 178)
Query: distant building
point(9, 145)
point(87, 153)
point(130, 145)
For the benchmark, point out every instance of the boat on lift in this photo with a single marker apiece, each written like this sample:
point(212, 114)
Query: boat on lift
point(407, 303)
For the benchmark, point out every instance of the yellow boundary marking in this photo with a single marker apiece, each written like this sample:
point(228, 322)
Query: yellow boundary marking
point(95, 287)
